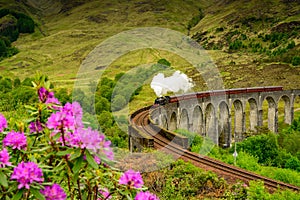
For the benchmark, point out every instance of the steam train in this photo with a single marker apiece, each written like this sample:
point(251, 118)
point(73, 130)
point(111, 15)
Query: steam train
point(167, 99)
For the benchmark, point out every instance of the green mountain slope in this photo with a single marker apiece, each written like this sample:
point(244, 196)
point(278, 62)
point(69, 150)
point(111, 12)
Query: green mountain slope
point(253, 42)
point(65, 38)
point(248, 40)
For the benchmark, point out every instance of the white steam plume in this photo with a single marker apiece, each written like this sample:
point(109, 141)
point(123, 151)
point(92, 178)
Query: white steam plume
point(175, 83)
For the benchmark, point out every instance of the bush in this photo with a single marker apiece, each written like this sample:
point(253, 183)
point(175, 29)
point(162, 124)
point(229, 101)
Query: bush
point(235, 45)
point(118, 102)
point(296, 60)
point(25, 25)
point(257, 191)
point(291, 45)
point(52, 155)
point(164, 62)
point(284, 175)
point(293, 163)
point(184, 181)
point(264, 147)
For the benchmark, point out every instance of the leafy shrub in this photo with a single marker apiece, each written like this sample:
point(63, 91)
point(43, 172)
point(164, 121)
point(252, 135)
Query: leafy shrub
point(291, 45)
point(25, 25)
point(102, 104)
point(164, 62)
point(184, 180)
point(118, 102)
point(236, 44)
point(4, 12)
point(219, 29)
point(257, 191)
point(296, 60)
point(247, 161)
point(264, 147)
point(284, 175)
point(52, 155)
point(293, 163)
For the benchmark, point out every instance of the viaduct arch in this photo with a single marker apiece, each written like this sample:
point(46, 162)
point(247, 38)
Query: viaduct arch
point(222, 115)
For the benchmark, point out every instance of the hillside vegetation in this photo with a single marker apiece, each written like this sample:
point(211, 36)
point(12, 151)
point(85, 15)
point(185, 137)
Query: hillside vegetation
point(252, 42)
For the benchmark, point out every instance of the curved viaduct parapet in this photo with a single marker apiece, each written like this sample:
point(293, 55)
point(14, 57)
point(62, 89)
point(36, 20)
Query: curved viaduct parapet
point(213, 117)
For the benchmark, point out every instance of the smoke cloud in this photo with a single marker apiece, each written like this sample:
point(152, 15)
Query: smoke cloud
point(178, 82)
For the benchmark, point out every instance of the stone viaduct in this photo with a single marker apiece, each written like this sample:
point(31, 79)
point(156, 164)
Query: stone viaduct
point(222, 115)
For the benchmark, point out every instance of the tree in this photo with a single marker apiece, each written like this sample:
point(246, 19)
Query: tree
point(102, 104)
point(25, 25)
point(118, 102)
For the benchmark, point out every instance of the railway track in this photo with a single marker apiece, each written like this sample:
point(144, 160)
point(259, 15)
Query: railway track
point(141, 122)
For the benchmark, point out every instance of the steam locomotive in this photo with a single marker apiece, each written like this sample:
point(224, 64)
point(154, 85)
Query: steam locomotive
point(167, 99)
point(163, 100)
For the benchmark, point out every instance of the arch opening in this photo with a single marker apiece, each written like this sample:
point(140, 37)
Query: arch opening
point(164, 122)
point(197, 125)
point(184, 120)
point(238, 120)
point(284, 111)
point(272, 115)
point(224, 125)
point(296, 108)
point(210, 123)
point(251, 115)
point(173, 122)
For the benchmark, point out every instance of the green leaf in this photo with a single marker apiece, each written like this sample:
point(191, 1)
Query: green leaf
point(63, 153)
point(77, 165)
point(128, 197)
point(37, 194)
point(40, 149)
point(76, 154)
point(56, 136)
point(30, 107)
point(34, 84)
point(90, 160)
point(18, 195)
point(3, 180)
point(60, 166)
point(75, 177)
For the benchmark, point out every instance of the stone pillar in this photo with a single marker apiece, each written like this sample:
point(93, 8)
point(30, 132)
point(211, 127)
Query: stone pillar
point(229, 131)
point(216, 135)
point(289, 110)
point(260, 117)
point(292, 113)
point(243, 123)
point(276, 120)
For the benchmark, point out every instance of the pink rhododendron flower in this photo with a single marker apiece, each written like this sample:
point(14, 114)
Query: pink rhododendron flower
point(69, 120)
point(93, 141)
point(26, 173)
point(47, 97)
point(145, 196)
point(105, 193)
point(132, 179)
point(35, 127)
point(3, 123)
point(16, 140)
point(75, 111)
point(60, 120)
point(54, 192)
point(68, 117)
point(4, 158)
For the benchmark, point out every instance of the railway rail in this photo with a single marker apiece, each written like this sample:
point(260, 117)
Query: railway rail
point(141, 122)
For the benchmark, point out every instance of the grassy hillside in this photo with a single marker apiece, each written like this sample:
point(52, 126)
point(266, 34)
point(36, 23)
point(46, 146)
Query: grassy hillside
point(253, 42)
point(235, 33)
point(67, 36)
